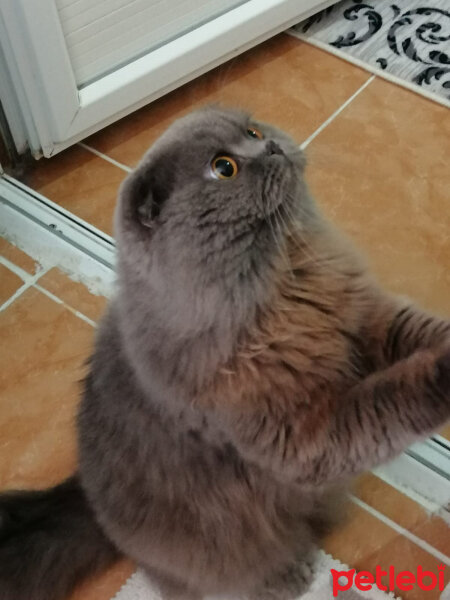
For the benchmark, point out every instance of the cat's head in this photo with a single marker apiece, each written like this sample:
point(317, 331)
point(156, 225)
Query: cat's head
point(202, 224)
point(213, 196)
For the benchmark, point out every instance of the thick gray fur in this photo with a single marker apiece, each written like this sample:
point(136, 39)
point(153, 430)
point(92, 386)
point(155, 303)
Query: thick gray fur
point(246, 369)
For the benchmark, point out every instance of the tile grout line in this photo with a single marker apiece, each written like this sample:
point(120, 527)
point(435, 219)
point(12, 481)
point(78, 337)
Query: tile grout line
point(336, 113)
point(302, 146)
point(24, 275)
point(23, 288)
point(365, 66)
point(401, 530)
point(431, 507)
point(73, 310)
point(114, 162)
point(29, 282)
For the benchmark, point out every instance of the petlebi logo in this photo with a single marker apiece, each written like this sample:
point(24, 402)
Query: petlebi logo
point(387, 581)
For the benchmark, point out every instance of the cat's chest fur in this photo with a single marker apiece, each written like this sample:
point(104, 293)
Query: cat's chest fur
point(139, 457)
point(306, 341)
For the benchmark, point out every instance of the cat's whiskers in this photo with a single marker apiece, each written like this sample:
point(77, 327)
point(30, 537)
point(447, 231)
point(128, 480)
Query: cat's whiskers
point(306, 249)
point(294, 153)
point(296, 237)
point(281, 251)
point(276, 238)
point(278, 215)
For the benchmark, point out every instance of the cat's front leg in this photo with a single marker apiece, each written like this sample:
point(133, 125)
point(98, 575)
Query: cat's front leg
point(396, 329)
point(340, 433)
point(390, 409)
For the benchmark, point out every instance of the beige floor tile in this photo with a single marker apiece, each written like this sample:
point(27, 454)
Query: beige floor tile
point(16, 256)
point(9, 283)
point(106, 585)
point(360, 536)
point(75, 294)
point(364, 542)
point(436, 532)
point(404, 555)
point(380, 170)
point(43, 347)
point(80, 182)
point(389, 501)
point(445, 432)
point(284, 81)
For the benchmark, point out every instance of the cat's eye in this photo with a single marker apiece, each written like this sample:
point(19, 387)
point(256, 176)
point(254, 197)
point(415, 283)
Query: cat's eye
point(255, 133)
point(224, 167)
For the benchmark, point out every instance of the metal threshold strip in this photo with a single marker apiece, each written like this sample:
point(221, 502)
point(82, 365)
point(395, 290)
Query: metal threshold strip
point(55, 236)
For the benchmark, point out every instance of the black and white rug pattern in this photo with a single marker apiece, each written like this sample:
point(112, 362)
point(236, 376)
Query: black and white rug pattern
point(406, 40)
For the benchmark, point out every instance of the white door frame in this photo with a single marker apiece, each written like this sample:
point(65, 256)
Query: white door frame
point(63, 114)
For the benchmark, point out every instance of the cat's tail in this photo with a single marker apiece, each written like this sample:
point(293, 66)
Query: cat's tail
point(49, 542)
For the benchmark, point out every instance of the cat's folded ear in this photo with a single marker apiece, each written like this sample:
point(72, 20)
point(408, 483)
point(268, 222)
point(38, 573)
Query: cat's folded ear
point(143, 194)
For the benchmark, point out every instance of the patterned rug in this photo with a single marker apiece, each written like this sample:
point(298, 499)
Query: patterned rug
point(139, 587)
point(407, 41)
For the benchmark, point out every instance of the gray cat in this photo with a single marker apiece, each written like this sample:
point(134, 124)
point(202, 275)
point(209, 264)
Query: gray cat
point(246, 369)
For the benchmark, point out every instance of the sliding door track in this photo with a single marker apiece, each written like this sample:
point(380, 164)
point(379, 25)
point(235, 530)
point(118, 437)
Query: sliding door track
point(52, 235)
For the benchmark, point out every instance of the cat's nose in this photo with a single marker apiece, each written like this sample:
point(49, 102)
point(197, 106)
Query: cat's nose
point(273, 148)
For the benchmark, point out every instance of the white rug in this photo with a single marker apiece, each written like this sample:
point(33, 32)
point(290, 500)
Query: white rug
point(407, 41)
point(139, 586)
